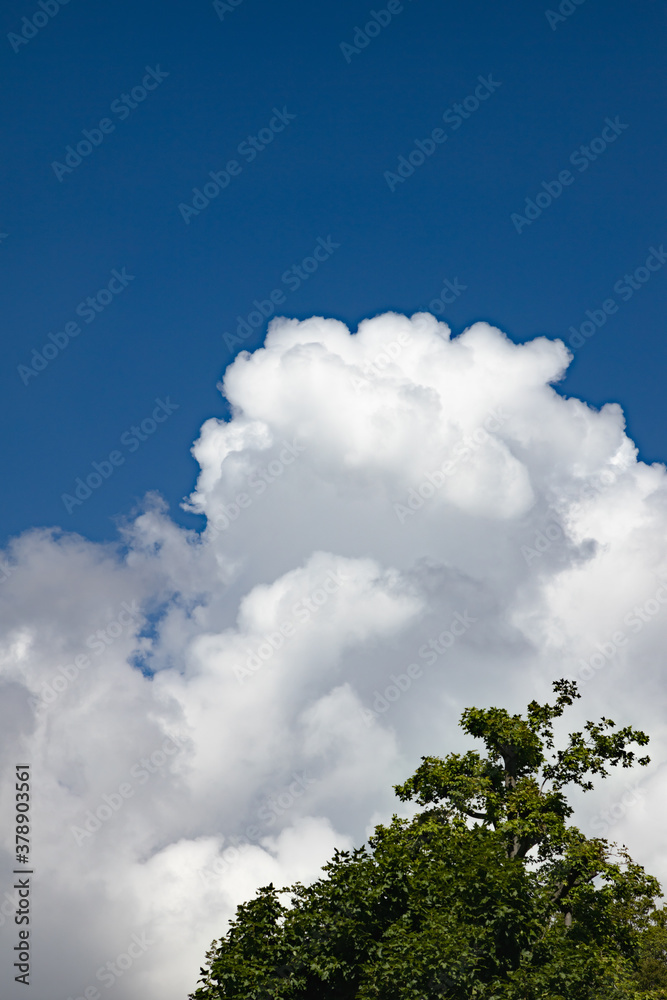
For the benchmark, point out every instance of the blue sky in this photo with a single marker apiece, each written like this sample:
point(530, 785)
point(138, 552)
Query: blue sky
point(343, 115)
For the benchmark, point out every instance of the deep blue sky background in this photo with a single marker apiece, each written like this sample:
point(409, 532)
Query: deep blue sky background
point(322, 176)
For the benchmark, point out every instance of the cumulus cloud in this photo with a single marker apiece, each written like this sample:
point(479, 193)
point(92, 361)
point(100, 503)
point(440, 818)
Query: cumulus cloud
point(398, 524)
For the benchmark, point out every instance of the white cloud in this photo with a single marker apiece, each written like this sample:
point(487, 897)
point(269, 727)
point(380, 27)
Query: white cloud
point(370, 493)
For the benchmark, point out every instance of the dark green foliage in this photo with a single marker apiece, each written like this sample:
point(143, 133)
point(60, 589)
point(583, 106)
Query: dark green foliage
point(487, 893)
point(652, 959)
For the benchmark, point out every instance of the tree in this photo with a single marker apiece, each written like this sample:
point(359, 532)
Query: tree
point(487, 893)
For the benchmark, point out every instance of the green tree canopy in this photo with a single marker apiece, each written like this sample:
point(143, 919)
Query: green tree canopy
point(487, 893)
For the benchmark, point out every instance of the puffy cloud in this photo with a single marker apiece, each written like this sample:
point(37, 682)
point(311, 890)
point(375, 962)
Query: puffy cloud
point(398, 524)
